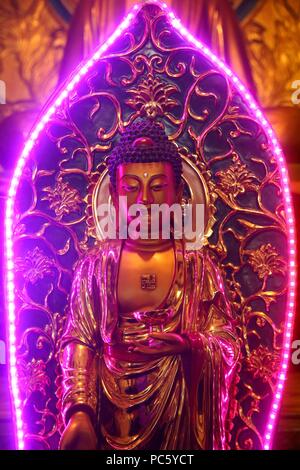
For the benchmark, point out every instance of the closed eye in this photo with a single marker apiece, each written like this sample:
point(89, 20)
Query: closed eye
point(129, 188)
point(159, 187)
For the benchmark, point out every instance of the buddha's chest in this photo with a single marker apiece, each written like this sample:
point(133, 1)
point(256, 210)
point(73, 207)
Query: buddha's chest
point(144, 279)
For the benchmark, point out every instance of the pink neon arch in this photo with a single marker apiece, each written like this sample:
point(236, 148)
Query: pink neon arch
point(80, 72)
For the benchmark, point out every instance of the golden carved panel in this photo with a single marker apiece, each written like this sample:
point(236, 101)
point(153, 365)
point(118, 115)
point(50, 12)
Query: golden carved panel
point(32, 40)
point(33, 37)
point(273, 36)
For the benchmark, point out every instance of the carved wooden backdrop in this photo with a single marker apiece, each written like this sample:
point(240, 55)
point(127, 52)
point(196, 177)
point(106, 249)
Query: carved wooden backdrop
point(33, 35)
point(151, 70)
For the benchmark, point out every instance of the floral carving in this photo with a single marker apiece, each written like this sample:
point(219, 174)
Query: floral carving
point(63, 198)
point(33, 376)
point(236, 179)
point(36, 265)
point(151, 97)
point(266, 261)
point(263, 363)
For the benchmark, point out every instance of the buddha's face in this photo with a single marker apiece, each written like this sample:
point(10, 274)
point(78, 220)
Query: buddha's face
point(146, 184)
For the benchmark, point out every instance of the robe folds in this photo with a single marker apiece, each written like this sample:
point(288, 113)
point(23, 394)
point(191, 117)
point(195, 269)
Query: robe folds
point(137, 401)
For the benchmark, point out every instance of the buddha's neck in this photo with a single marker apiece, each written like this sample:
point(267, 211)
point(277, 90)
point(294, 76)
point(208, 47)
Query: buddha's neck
point(148, 244)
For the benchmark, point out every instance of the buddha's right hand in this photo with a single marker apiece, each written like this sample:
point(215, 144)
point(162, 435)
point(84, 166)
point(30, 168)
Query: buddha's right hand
point(79, 433)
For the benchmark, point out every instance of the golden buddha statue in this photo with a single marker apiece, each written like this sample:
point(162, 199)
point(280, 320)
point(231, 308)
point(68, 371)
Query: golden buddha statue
point(149, 349)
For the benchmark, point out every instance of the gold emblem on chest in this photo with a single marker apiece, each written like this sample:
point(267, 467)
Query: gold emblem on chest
point(148, 281)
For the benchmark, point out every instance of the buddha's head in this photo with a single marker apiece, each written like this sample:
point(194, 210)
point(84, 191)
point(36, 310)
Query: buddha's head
point(146, 167)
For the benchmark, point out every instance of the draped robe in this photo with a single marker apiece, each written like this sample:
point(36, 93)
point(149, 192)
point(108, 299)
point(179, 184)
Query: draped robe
point(137, 401)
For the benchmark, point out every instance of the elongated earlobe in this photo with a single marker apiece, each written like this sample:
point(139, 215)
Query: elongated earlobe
point(179, 191)
point(113, 194)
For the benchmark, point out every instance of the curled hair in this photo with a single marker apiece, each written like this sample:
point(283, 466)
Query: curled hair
point(144, 141)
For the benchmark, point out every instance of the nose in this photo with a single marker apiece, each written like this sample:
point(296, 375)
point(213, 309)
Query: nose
point(144, 195)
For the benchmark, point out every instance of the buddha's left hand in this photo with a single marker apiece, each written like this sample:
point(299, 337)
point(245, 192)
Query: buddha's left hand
point(164, 344)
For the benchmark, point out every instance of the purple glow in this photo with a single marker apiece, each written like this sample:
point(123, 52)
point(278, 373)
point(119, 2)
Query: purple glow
point(18, 172)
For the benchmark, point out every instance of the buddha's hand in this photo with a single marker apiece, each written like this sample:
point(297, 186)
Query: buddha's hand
point(165, 344)
point(79, 433)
